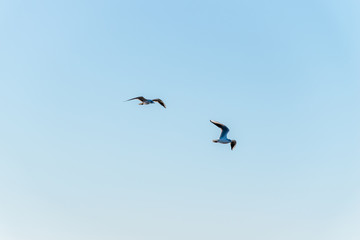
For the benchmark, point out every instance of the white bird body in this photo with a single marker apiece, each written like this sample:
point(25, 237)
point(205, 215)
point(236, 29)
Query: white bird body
point(223, 141)
point(223, 136)
point(148, 101)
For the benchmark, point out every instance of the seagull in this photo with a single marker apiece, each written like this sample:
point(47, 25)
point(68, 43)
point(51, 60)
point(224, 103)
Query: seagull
point(223, 136)
point(145, 101)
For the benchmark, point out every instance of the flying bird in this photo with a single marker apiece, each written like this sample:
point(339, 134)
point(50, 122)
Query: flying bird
point(223, 136)
point(145, 101)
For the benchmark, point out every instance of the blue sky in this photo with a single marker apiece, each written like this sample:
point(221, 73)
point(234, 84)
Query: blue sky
point(77, 162)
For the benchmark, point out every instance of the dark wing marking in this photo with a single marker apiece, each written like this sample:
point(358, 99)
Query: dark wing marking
point(224, 128)
point(141, 98)
point(233, 144)
point(160, 102)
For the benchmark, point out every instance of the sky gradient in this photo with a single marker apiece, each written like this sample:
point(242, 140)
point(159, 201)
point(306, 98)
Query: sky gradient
point(77, 162)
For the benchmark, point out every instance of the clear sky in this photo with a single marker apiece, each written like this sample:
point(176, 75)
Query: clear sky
point(79, 163)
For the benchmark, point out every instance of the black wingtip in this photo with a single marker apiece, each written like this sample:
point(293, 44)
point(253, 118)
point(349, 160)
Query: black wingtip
point(233, 144)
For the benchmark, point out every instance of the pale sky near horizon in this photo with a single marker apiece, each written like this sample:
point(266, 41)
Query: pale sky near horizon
point(77, 162)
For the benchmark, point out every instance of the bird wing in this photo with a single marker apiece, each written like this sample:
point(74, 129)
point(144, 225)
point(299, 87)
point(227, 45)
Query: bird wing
point(160, 102)
point(224, 128)
point(233, 144)
point(141, 98)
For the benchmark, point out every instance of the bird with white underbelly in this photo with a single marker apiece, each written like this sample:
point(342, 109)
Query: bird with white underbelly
point(223, 136)
point(145, 101)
